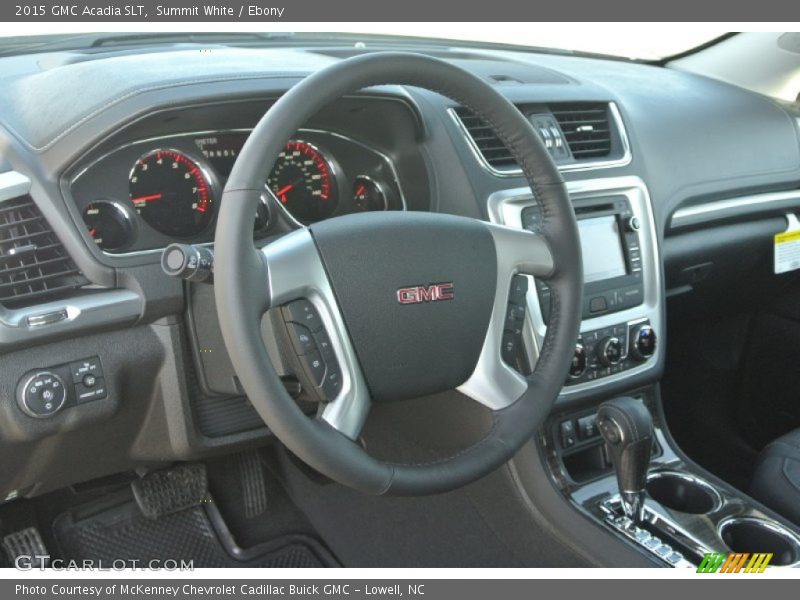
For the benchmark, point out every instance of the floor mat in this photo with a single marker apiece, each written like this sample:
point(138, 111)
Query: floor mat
point(115, 529)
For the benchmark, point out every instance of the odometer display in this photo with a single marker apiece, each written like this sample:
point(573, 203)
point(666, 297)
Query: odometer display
point(303, 181)
point(171, 193)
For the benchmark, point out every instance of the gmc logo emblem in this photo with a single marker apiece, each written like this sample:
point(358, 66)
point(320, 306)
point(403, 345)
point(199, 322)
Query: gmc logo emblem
point(421, 293)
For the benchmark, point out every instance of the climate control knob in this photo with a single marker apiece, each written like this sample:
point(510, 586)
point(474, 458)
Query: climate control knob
point(578, 365)
point(609, 351)
point(643, 342)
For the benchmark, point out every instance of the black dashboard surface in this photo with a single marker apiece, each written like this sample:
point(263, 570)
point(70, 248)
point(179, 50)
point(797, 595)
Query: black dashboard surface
point(75, 123)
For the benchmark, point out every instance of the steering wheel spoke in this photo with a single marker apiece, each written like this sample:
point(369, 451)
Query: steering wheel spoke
point(295, 272)
point(494, 383)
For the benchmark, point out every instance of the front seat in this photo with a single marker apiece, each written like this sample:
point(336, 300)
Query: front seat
point(776, 482)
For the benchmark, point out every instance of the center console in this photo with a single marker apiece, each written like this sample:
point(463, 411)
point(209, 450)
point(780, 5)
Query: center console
point(622, 309)
point(628, 478)
point(687, 518)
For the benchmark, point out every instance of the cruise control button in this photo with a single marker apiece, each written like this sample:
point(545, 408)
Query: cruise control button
point(303, 312)
point(315, 366)
point(301, 339)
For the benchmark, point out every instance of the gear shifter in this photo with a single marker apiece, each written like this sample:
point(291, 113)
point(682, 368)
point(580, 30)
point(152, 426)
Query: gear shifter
point(627, 428)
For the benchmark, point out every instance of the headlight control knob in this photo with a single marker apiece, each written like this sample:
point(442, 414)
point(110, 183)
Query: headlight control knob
point(643, 342)
point(41, 395)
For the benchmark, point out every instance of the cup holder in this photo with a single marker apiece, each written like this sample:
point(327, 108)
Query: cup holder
point(749, 534)
point(681, 492)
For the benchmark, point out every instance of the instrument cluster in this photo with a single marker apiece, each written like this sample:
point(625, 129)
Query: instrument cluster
point(147, 194)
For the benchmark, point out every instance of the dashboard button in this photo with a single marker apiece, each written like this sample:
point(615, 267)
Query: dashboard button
point(86, 393)
point(87, 366)
point(597, 304)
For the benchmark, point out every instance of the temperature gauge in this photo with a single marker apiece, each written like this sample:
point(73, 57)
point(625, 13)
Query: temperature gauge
point(368, 194)
point(109, 225)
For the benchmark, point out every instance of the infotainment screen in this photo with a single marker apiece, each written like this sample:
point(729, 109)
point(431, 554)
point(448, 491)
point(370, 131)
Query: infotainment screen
point(601, 246)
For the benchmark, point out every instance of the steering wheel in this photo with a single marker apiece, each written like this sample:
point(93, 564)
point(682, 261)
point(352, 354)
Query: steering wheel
point(413, 303)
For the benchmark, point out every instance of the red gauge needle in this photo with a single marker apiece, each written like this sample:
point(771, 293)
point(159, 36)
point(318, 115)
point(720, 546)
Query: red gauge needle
point(361, 189)
point(146, 198)
point(281, 193)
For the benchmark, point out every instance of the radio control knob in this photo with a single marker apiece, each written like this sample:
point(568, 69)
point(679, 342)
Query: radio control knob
point(609, 351)
point(633, 224)
point(578, 365)
point(643, 342)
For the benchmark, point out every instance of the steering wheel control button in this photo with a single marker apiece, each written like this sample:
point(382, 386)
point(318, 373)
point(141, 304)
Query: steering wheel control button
point(315, 367)
point(302, 339)
point(519, 289)
point(42, 395)
point(86, 393)
point(332, 384)
point(303, 313)
point(323, 343)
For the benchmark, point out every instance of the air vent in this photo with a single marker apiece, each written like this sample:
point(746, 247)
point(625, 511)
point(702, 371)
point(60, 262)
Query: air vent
point(487, 143)
point(34, 266)
point(586, 128)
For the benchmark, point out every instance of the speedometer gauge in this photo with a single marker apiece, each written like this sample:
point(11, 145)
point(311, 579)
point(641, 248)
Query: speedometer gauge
point(172, 193)
point(303, 181)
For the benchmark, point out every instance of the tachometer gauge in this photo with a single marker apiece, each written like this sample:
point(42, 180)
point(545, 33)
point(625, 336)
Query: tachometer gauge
point(368, 194)
point(109, 225)
point(303, 181)
point(172, 193)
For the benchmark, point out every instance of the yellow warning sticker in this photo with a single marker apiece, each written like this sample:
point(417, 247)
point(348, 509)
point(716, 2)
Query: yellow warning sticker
point(787, 247)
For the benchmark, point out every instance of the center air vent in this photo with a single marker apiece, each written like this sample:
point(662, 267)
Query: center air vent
point(575, 133)
point(34, 266)
point(586, 127)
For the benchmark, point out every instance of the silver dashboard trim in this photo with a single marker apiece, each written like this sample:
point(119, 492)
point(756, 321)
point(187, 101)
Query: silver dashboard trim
point(505, 207)
point(734, 207)
point(94, 310)
point(13, 185)
point(622, 161)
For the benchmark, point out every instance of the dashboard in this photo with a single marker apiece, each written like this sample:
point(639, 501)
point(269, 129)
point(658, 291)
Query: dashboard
point(138, 157)
point(149, 193)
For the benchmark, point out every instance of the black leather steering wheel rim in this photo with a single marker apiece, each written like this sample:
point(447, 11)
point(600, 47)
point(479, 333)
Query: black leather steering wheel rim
point(241, 277)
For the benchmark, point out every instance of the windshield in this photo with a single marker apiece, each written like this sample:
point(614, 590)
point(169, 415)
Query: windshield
point(634, 41)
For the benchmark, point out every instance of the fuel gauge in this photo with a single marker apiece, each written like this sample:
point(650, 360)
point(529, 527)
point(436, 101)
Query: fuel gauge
point(109, 225)
point(368, 194)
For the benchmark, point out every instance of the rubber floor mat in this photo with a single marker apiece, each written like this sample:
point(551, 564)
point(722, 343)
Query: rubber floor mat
point(115, 530)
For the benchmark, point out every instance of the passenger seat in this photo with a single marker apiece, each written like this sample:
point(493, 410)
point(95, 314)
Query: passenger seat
point(776, 482)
